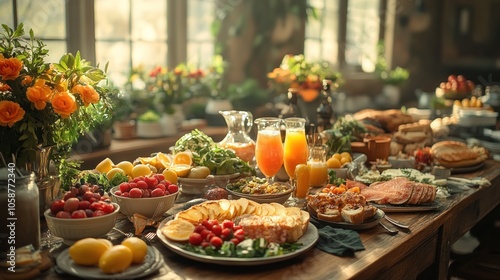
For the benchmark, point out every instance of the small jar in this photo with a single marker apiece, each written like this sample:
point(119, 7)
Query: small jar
point(19, 202)
point(318, 169)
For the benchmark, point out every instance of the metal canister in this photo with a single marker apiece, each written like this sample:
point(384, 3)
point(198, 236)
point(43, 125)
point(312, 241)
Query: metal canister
point(19, 210)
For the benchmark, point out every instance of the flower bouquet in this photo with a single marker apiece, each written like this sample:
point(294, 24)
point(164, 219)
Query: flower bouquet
point(45, 105)
point(306, 76)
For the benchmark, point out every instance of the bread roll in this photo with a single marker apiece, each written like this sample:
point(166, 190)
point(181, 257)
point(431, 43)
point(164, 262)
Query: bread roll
point(353, 214)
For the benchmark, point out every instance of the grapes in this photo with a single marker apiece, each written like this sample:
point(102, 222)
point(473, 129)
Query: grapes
point(82, 200)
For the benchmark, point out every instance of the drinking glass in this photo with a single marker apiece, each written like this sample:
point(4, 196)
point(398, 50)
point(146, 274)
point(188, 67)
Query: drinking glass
point(269, 148)
point(296, 148)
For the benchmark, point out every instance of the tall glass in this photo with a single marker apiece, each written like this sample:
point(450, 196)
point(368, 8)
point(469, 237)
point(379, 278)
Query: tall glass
point(296, 148)
point(269, 148)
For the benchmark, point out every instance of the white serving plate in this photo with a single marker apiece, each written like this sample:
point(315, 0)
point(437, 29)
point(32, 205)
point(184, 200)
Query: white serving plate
point(308, 240)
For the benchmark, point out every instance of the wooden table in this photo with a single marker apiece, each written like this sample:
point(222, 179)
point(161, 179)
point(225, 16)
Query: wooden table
point(422, 253)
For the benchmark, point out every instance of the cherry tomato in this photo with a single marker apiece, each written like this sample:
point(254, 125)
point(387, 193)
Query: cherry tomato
point(240, 234)
point(228, 224)
point(195, 239)
point(216, 241)
point(226, 233)
point(217, 230)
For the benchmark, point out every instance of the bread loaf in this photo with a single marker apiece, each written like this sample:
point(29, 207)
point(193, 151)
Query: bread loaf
point(453, 154)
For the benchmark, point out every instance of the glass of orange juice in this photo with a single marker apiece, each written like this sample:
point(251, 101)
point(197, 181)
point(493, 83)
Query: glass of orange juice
point(296, 148)
point(318, 169)
point(268, 147)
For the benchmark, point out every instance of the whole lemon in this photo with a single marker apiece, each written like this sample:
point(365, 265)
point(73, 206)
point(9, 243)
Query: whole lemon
point(116, 259)
point(126, 166)
point(199, 172)
point(139, 248)
point(141, 170)
point(87, 251)
point(171, 176)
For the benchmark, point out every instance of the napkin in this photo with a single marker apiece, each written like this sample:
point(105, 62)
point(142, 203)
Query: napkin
point(339, 241)
point(141, 222)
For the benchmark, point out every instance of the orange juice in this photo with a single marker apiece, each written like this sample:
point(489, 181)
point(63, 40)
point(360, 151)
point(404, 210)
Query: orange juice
point(302, 183)
point(269, 152)
point(296, 150)
point(318, 173)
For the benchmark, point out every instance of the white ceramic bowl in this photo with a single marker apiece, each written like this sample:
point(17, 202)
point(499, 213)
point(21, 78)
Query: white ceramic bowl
point(151, 207)
point(72, 230)
point(340, 172)
point(281, 197)
point(401, 162)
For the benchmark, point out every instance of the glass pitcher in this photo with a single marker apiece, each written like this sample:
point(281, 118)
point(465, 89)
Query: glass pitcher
point(239, 124)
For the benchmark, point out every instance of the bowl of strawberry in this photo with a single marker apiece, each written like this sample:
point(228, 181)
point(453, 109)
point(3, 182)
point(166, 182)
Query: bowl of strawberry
point(83, 211)
point(149, 196)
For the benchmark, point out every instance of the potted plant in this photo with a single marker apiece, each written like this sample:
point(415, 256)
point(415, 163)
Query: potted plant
point(295, 71)
point(148, 125)
point(124, 124)
point(46, 107)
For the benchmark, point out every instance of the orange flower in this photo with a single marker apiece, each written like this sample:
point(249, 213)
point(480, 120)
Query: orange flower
point(39, 94)
point(87, 93)
point(10, 113)
point(10, 68)
point(27, 80)
point(64, 104)
point(308, 94)
point(4, 87)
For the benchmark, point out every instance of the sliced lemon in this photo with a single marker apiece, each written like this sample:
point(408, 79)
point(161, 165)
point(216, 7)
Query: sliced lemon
point(115, 170)
point(182, 170)
point(163, 160)
point(171, 176)
point(126, 166)
point(184, 157)
point(148, 160)
point(178, 230)
point(141, 170)
point(105, 165)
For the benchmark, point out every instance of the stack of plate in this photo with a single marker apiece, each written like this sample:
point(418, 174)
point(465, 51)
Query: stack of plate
point(474, 118)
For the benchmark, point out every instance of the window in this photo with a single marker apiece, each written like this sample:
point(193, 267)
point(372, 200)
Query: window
point(346, 33)
point(128, 34)
point(46, 18)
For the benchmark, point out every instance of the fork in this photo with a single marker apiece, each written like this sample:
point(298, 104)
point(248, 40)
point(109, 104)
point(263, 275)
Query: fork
point(149, 237)
point(396, 223)
point(126, 234)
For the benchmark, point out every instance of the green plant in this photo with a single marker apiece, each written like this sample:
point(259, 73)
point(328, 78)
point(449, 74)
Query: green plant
point(149, 116)
point(247, 95)
point(307, 76)
point(44, 104)
point(396, 76)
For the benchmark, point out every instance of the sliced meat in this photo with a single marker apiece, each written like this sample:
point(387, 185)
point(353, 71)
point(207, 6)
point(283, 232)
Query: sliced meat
point(416, 195)
point(395, 191)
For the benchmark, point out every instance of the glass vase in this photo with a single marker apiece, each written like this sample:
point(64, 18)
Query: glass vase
point(49, 184)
